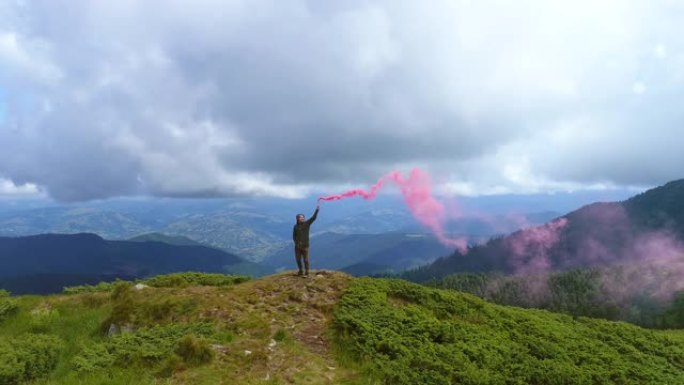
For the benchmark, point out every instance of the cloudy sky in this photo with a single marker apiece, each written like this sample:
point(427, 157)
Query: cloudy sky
point(285, 97)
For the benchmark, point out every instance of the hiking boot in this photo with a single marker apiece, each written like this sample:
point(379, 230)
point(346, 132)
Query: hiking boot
point(300, 273)
point(306, 275)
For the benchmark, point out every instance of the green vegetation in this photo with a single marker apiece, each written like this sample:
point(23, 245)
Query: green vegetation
point(27, 357)
point(151, 348)
point(609, 293)
point(100, 287)
point(328, 329)
point(7, 308)
point(168, 280)
point(659, 207)
point(193, 329)
point(194, 279)
point(404, 333)
point(131, 307)
point(125, 336)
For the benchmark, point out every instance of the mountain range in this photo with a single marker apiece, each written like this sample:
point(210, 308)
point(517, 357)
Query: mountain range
point(595, 234)
point(253, 230)
point(46, 263)
point(220, 228)
point(647, 228)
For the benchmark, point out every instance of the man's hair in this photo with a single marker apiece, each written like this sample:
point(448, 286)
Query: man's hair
point(299, 215)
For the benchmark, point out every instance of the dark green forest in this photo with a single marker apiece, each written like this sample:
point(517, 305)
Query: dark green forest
point(613, 293)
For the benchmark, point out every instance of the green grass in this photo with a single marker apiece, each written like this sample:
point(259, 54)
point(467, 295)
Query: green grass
point(73, 323)
point(169, 280)
point(26, 357)
point(329, 329)
point(182, 329)
point(8, 308)
point(195, 279)
point(403, 333)
point(167, 334)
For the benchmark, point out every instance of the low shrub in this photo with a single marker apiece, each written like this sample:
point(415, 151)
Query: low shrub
point(167, 280)
point(404, 333)
point(164, 309)
point(195, 279)
point(194, 351)
point(99, 288)
point(149, 348)
point(123, 304)
point(30, 357)
point(138, 308)
point(8, 308)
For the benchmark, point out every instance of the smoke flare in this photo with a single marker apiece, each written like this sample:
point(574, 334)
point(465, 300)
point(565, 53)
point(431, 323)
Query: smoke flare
point(417, 193)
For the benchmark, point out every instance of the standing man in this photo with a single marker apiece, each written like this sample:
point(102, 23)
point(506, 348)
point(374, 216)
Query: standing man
point(300, 236)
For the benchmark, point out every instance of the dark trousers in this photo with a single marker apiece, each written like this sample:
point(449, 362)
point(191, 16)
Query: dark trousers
point(302, 253)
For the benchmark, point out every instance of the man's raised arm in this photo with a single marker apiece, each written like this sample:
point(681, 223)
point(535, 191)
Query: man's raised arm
point(315, 214)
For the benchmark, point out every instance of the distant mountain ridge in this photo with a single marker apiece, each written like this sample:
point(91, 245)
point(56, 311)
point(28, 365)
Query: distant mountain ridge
point(645, 226)
point(364, 254)
point(251, 230)
point(661, 207)
point(170, 239)
point(228, 232)
point(64, 258)
point(234, 232)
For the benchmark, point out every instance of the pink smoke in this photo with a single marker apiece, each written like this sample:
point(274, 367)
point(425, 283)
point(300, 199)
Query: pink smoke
point(530, 248)
point(655, 265)
point(633, 261)
point(417, 193)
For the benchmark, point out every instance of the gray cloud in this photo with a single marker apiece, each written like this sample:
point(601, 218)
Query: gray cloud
point(281, 97)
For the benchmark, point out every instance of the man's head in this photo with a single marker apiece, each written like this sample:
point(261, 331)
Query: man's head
point(300, 218)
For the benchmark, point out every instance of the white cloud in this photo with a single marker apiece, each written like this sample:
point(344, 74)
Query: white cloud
point(281, 97)
point(9, 189)
point(25, 59)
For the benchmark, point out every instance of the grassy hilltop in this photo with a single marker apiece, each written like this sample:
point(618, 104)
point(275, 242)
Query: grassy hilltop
point(330, 329)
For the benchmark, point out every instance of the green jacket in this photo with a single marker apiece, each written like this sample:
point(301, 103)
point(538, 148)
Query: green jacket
point(300, 232)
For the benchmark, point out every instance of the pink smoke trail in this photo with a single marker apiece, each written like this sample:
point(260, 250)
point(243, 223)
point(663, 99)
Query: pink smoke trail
point(417, 193)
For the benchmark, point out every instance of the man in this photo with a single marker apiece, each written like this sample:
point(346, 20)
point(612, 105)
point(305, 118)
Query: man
point(300, 236)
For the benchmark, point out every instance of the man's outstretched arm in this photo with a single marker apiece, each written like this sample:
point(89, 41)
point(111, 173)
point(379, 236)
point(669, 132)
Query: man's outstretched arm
point(315, 214)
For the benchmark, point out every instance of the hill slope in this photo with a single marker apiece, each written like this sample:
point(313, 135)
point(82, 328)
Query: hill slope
point(271, 331)
point(230, 232)
point(330, 329)
point(170, 239)
point(413, 335)
point(661, 207)
point(46, 263)
point(648, 227)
